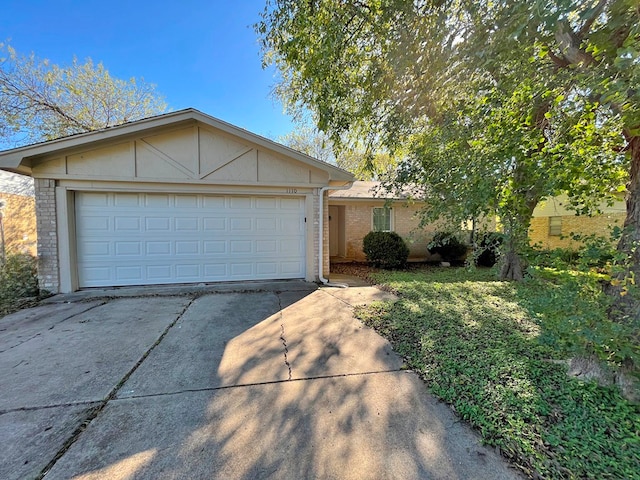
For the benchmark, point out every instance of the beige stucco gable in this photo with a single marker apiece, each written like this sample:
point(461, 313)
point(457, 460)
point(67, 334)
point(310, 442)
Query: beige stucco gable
point(195, 154)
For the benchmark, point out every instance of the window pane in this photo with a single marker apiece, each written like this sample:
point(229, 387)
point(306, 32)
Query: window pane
point(381, 219)
point(555, 226)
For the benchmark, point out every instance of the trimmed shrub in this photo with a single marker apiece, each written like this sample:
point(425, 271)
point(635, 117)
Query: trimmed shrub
point(447, 245)
point(385, 249)
point(488, 249)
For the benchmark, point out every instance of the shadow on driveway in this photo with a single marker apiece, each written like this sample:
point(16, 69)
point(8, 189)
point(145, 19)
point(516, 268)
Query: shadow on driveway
point(270, 384)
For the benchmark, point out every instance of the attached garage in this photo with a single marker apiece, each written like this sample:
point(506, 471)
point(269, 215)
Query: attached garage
point(151, 238)
point(178, 198)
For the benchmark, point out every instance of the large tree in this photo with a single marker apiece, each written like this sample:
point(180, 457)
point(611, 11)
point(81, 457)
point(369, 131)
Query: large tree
point(500, 147)
point(42, 101)
point(388, 70)
point(364, 165)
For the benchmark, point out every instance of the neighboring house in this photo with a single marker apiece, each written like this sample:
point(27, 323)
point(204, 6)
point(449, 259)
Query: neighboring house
point(18, 223)
point(178, 198)
point(355, 212)
point(554, 222)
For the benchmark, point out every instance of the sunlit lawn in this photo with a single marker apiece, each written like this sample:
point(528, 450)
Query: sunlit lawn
point(492, 349)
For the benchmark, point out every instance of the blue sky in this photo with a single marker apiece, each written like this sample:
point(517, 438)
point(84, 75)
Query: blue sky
point(201, 54)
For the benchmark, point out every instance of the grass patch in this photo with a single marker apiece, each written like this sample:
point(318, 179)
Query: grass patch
point(488, 348)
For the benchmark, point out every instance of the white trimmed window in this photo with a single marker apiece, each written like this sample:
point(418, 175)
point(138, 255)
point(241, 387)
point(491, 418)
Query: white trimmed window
point(382, 219)
point(555, 226)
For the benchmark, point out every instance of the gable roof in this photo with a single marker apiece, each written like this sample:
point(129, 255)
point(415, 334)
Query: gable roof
point(20, 160)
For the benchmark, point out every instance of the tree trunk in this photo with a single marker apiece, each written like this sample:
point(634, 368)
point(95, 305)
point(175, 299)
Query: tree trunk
point(625, 307)
point(516, 239)
point(512, 267)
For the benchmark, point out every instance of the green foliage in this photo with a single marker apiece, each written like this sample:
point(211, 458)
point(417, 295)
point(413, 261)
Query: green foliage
point(595, 252)
point(447, 245)
point(493, 350)
point(42, 101)
point(18, 279)
point(385, 249)
point(487, 120)
point(364, 165)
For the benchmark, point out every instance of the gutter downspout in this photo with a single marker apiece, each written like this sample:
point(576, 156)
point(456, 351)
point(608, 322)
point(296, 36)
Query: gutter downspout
point(325, 281)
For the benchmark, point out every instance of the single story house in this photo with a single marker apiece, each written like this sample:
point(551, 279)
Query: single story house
point(554, 222)
point(177, 198)
point(363, 208)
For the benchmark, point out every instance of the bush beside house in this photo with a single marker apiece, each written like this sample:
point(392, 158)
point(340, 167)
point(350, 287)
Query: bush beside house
point(385, 249)
point(448, 246)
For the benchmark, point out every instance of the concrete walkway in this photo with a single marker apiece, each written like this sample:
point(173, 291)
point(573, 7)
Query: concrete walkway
point(273, 381)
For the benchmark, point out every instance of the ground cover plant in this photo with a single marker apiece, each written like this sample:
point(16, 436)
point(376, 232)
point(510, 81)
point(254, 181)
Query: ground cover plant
point(495, 352)
point(18, 283)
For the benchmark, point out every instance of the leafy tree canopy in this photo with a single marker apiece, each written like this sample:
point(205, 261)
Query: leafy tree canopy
point(492, 105)
point(42, 101)
point(364, 165)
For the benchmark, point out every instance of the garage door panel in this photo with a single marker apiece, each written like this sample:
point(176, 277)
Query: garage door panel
point(187, 248)
point(158, 224)
point(158, 248)
point(95, 223)
point(156, 200)
point(137, 238)
point(128, 248)
point(159, 273)
point(267, 202)
point(127, 200)
point(129, 273)
point(241, 270)
point(209, 202)
point(215, 224)
point(97, 248)
point(186, 201)
point(215, 247)
point(95, 199)
point(97, 275)
point(187, 224)
point(240, 203)
point(293, 268)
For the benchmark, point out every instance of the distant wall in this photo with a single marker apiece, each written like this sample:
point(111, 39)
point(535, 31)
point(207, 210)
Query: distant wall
point(19, 221)
point(599, 224)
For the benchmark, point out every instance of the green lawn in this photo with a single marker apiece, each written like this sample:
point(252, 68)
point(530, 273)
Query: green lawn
point(492, 349)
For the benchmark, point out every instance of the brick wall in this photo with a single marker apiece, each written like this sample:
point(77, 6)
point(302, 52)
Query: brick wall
point(358, 222)
point(19, 222)
point(48, 274)
point(325, 236)
point(598, 224)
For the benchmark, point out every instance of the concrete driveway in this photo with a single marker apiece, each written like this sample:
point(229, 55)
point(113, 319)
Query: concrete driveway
point(276, 381)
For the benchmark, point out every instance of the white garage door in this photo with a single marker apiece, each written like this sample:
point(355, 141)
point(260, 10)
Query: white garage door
point(140, 238)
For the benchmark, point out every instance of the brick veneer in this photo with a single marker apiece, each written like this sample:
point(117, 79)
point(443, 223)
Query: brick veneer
point(358, 219)
point(48, 273)
point(598, 224)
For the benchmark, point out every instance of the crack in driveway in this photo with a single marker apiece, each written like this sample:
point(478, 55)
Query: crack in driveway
point(286, 350)
point(21, 342)
point(93, 412)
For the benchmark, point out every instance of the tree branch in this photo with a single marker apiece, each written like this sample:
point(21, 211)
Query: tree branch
point(592, 18)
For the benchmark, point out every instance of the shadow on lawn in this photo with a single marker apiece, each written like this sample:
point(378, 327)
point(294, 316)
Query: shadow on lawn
point(476, 343)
